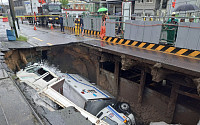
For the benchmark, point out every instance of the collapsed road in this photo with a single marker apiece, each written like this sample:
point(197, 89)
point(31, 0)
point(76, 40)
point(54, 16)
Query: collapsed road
point(158, 86)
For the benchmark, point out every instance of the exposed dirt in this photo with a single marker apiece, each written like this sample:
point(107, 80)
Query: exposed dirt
point(16, 59)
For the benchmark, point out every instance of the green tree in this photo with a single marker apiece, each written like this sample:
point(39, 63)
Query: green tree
point(64, 3)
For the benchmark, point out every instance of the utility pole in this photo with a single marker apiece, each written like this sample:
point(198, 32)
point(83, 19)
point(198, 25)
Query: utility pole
point(144, 6)
point(160, 9)
point(12, 12)
point(31, 7)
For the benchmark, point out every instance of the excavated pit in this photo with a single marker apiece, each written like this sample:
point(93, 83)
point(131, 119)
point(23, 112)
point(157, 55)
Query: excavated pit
point(150, 89)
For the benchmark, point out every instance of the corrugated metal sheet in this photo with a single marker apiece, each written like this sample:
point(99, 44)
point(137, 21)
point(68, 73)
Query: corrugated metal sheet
point(188, 36)
point(146, 31)
point(110, 27)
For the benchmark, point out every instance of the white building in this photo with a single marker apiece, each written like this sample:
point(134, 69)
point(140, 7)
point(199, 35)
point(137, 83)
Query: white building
point(35, 5)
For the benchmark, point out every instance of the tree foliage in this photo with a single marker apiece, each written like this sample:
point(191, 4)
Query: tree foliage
point(64, 3)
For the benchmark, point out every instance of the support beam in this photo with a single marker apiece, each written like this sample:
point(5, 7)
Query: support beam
point(142, 84)
point(194, 96)
point(172, 102)
point(97, 71)
point(116, 78)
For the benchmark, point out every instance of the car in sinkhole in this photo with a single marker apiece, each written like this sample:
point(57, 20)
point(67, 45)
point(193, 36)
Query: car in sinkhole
point(71, 89)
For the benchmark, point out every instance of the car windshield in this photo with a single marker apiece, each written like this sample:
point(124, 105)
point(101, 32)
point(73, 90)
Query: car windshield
point(54, 8)
point(37, 70)
point(109, 121)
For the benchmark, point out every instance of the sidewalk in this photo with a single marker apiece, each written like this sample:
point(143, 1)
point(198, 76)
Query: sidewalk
point(5, 45)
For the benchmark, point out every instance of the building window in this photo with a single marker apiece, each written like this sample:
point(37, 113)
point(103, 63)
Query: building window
point(139, 14)
point(147, 14)
point(149, 1)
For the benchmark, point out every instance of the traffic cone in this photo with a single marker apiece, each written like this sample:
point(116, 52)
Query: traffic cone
point(52, 27)
point(35, 27)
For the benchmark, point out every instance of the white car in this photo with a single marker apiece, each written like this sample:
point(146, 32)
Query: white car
point(96, 101)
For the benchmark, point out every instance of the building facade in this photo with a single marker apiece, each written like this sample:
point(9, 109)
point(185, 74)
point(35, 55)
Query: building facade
point(19, 7)
point(147, 7)
point(31, 6)
point(171, 9)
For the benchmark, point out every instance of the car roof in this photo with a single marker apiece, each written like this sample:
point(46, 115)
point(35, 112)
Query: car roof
point(85, 88)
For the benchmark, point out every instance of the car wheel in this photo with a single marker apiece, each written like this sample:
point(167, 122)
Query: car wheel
point(123, 106)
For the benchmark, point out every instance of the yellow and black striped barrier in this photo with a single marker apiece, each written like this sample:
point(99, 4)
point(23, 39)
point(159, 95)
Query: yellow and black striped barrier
point(87, 32)
point(155, 47)
point(144, 45)
point(38, 16)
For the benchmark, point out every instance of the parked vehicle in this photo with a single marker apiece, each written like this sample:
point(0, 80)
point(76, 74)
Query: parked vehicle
point(96, 101)
point(51, 12)
point(38, 76)
point(47, 13)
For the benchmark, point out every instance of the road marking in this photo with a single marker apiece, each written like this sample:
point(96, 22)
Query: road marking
point(49, 44)
point(37, 38)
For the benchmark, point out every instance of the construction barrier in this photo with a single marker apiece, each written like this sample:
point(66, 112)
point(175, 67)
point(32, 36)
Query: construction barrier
point(154, 32)
point(188, 35)
point(5, 19)
point(146, 31)
point(92, 25)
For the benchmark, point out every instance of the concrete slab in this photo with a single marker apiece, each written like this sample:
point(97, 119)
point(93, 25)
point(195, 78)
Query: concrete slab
point(16, 45)
point(3, 74)
point(67, 116)
point(15, 108)
point(3, 119)
point(4, 49)
point(184, 64)
point(2, 54)
point(5, 67)
point(1, 67)
point(2, 58)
